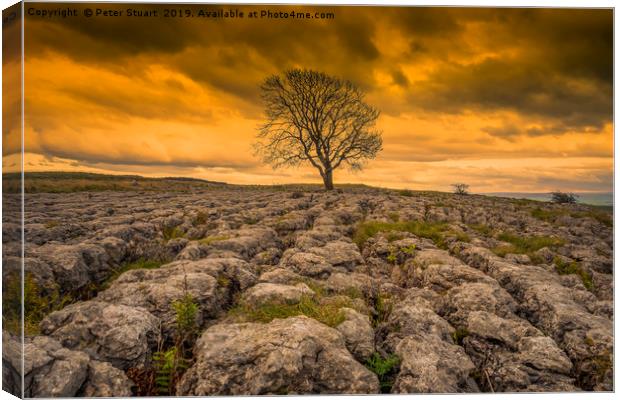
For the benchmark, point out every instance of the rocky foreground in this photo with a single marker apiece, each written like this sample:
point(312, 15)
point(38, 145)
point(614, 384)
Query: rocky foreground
point(232, 291)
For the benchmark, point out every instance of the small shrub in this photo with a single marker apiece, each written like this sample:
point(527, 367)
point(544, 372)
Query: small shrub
point(200, 219)
point(386, 369)
point(186, 311)
point(573, 267)
point(458, 335)
point(563, 198)
point(366, 206)
point(406, 193)
point(408, 250)
point(383, 307)
point(460, 188)
point(170, 233)
point(392, 257)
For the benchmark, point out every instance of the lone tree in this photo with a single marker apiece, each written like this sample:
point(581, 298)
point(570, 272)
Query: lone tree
point(461, 188)
point(316, 118)
point(563, 198)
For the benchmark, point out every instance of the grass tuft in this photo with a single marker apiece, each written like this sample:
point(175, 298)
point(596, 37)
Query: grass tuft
point(573, 267)
point(170, 233)
point(139, 264)
point(385, 368)
point(524, 244)
point(326, 310)
point(435, 231)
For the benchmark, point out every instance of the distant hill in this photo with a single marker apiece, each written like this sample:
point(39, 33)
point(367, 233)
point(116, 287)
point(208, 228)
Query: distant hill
point(595, 199)
point(63, 182)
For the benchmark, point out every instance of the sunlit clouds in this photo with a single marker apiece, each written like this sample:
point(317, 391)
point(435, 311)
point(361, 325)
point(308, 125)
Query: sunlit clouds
point(503, 99)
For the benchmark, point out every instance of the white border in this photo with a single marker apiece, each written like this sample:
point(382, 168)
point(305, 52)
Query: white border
point(480, 3)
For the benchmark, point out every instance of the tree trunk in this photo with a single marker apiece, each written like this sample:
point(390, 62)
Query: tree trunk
point(328, 180)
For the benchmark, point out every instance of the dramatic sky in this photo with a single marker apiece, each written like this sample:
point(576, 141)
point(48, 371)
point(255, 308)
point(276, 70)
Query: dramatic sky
point(502, 99)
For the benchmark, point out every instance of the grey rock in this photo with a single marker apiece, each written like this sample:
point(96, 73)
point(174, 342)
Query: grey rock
point(294, 355)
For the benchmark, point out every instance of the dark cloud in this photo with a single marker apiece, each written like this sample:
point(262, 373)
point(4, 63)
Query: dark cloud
point(560, 63)
point(529, 88)
point(399, 78)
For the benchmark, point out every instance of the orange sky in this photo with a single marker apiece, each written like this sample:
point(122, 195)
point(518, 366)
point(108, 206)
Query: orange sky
point(503, 99)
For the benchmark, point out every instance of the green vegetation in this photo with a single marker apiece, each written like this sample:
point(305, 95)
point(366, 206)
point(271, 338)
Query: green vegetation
point(326, 310)
point(435, 231)
point(393, 216)
point(563, 198)
point(524, 244)
point(51, 224)
point(169, 366)
point(383, 307)
point(405, 192)
point(386, 369)
point(459, 334)
point(605, 218)
point(186, 311)
point(548, 215)
point(573, 267)
point(212, 239)
point(482, 229)
point(37, 304)
point(139, 264)
point(600, 215)
point(170, 233)
point(201, 218)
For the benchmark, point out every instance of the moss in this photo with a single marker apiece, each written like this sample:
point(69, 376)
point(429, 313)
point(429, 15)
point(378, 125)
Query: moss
point(325, 310)
point(385, 368)
point(482, 229)
point(393, 216)
point(223, 280)
point(547, 215)
point(200, 219)
point(459, 334)
point(170, 233)
point(435, 231)
point(573, 267)
point(139, 264)
point(525, 244)
point(51, 224)
point(212, 239)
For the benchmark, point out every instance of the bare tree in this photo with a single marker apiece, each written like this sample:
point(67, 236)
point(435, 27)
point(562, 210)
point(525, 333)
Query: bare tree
point(461, 188)
point(316, 118)
point(563, 198)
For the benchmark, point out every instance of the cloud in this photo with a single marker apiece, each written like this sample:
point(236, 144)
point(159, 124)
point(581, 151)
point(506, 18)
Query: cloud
point(453, 85)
